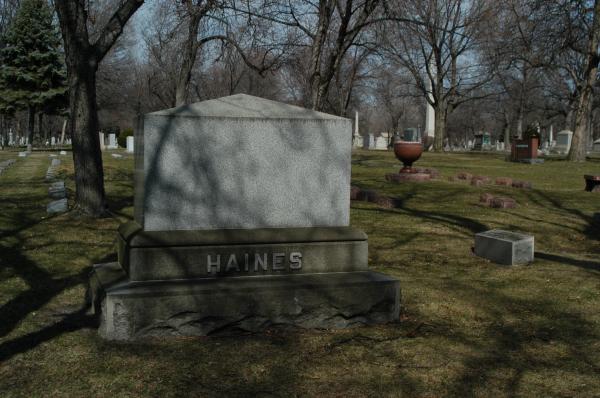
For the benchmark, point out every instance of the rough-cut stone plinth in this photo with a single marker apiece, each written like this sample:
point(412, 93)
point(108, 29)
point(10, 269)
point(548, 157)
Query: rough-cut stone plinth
point(242, 162)
point(505, 247)
point(192, 308)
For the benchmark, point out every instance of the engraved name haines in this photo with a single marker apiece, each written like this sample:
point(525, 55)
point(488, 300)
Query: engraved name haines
point(253, 262)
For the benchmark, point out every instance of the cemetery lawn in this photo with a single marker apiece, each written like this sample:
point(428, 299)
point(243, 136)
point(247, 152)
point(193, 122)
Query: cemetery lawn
point(468, 327)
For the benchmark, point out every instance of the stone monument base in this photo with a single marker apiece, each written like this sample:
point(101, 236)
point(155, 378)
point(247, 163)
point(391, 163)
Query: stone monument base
point(132, 310)
point(404, 177)
point(194, 283)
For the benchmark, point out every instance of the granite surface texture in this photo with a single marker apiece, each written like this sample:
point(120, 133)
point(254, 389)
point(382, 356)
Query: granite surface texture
point(242, 162)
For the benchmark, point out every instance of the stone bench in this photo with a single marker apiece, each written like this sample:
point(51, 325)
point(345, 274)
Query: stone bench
point(505, 247)
point(592, 183)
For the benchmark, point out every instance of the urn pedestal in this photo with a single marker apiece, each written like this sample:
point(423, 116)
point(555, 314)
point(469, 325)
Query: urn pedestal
point(408, 152)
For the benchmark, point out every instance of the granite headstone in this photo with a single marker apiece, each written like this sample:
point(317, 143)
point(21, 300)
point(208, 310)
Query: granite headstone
point(241, 221)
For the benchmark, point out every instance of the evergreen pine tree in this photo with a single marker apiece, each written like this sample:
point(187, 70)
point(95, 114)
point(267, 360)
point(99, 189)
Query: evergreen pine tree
point(32, 73)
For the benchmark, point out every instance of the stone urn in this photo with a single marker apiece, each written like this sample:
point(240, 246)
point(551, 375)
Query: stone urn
point(408, 152)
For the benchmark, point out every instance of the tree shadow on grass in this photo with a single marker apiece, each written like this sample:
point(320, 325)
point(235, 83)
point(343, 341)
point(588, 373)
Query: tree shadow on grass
point(587, 264)
point(42, 288)
point(544, 200)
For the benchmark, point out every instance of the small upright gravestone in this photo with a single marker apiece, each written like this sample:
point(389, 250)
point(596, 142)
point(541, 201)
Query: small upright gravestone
point(563, 142)
point(130, 144)
point(241, 221)
point(112, 141)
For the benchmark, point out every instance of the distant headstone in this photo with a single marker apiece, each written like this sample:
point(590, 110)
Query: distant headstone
point(102, 143)
point(23, 154)
point(52, 141)
point(596, 146)
point(112, 141)
point(130, 144)
point(55, 162)
point(563, 142)
point(357, 140)
point(369, 142)
point(505, 247)
point(63, 152)
point(241, 221)
point(381, 141)
point(116, 155)
point(482, 142)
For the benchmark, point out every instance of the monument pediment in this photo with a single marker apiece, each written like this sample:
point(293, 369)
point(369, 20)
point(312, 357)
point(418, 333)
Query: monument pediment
point(244, 106)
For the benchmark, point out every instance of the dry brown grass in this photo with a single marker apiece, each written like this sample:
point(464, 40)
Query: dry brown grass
point(469, 327)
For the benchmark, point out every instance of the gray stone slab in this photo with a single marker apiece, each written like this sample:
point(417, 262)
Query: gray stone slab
point(55, 162)
point(57, 206)
point(505, 247)
point(196, 308)
point(242, 162)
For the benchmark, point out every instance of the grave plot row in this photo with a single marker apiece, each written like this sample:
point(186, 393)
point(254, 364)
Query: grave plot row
point(56, 191)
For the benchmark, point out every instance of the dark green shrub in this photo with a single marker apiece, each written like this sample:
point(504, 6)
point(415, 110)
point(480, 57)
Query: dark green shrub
point(122, 138)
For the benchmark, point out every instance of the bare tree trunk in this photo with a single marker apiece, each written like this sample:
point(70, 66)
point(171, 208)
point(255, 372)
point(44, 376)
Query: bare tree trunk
point(41, 131)
point(325, 13)
point(569, 118)
point(577, 153)
point(62, 135)
point(82, 59)
point(190, 52)
point(31, 127)
point(506, 133)
point(440, 128)
point(87, 157)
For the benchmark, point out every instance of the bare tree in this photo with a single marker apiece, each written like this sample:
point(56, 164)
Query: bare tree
point(82, 59)
point(583, 37)
point(439, 46)
point(327, 28)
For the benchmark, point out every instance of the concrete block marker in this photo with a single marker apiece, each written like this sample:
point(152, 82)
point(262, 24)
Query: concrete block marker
point(23, 154)
point(57, 206)
point(505, 247)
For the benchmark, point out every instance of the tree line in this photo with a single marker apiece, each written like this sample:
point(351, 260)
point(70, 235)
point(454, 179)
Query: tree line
point(483, 65)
